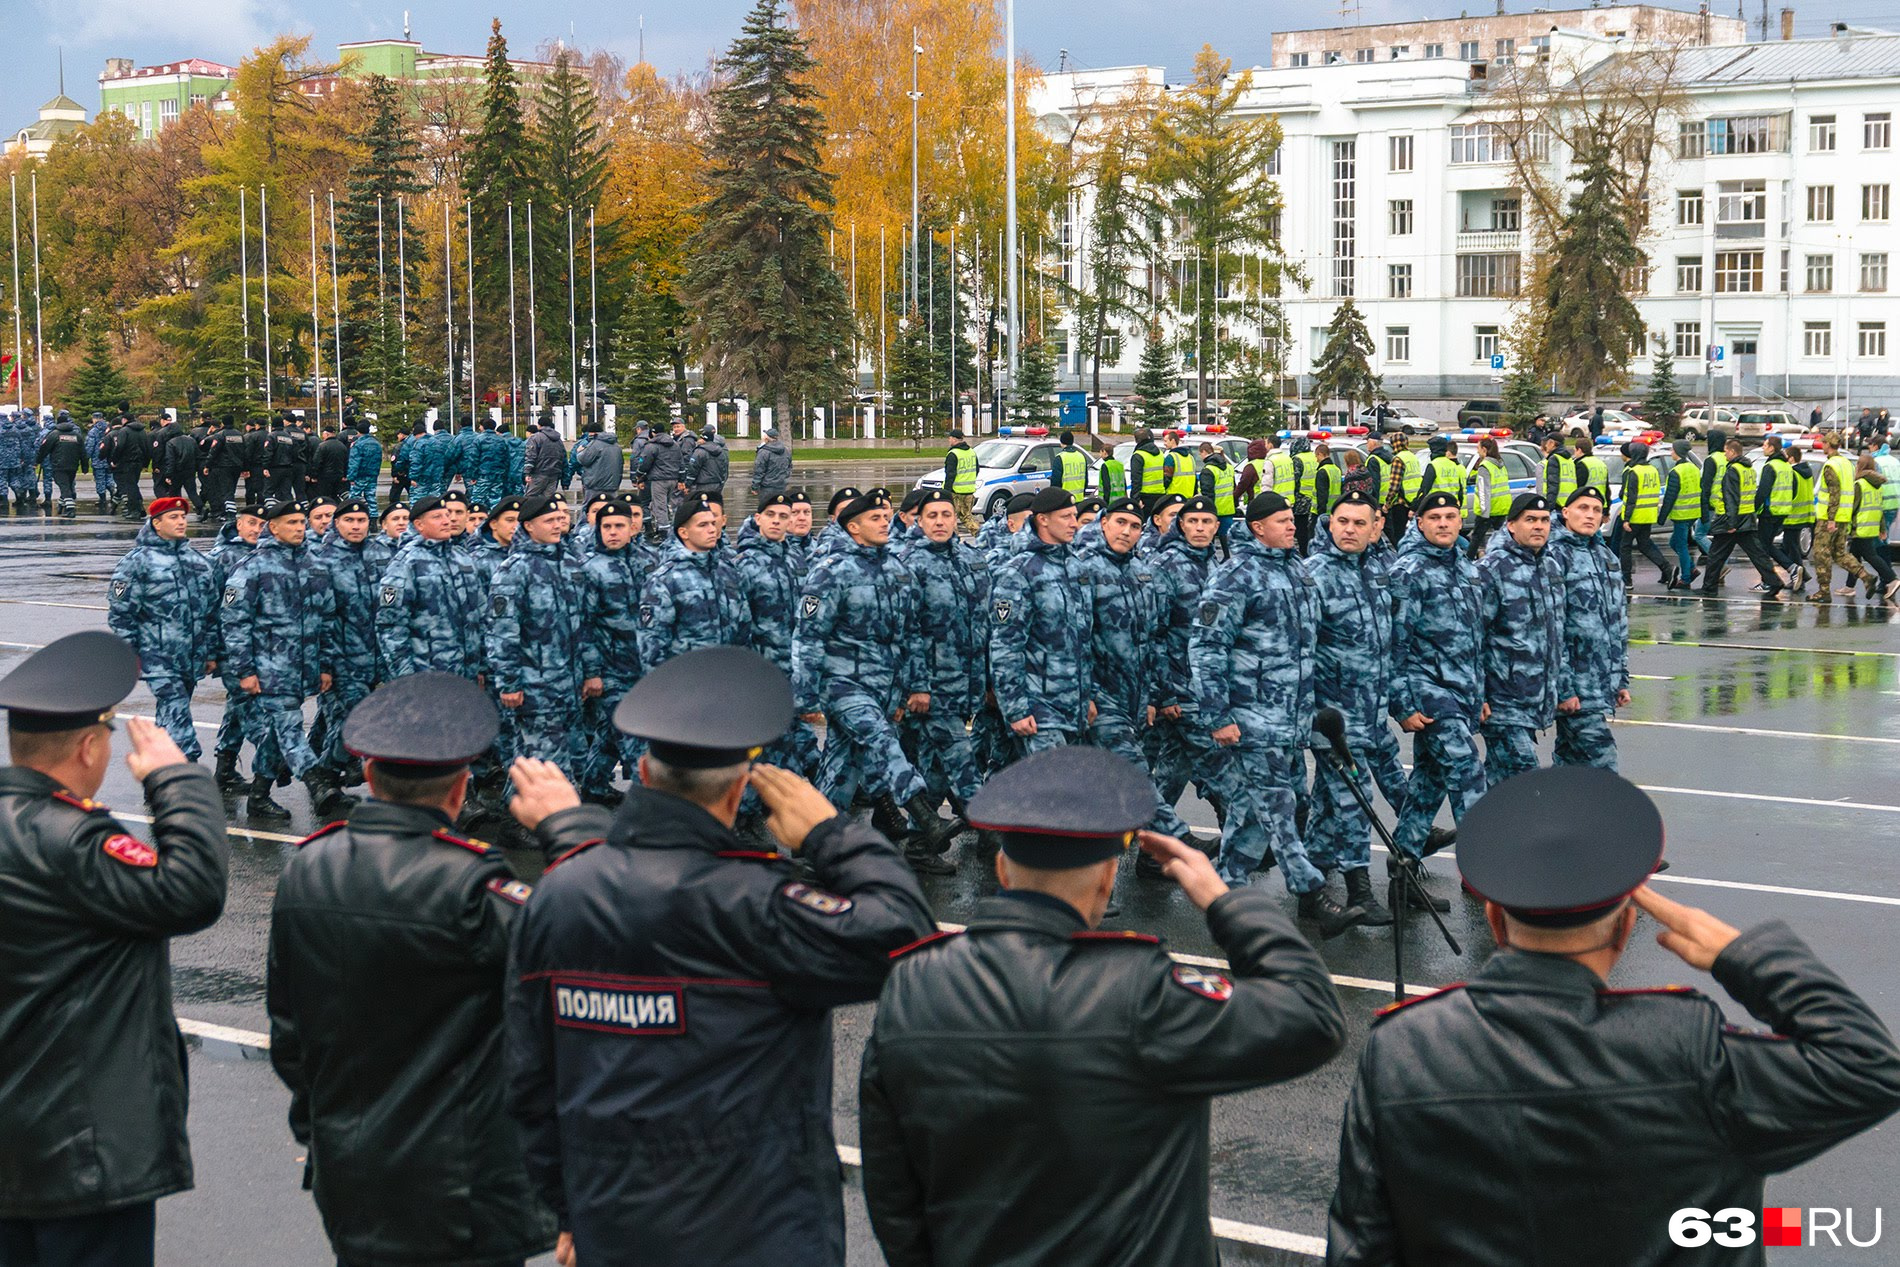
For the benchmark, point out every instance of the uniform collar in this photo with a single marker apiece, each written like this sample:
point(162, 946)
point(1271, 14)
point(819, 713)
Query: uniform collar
point(1536, 972)
point(1033, 912)
point(388, 816)
point(658, 820)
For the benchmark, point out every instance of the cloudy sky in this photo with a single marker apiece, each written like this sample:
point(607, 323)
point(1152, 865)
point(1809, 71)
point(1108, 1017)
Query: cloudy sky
point(680, 34)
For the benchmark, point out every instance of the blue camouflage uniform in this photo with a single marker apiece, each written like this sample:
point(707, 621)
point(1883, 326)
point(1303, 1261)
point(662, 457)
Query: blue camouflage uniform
point(1596, 648)
point(484, 554)
point(1123, 652)
point(461, 460)
point(1252, 649)
point(1353, 675)
point(611, 581)
point(102, 482)
point(691, 600)
point(163, 601)
point(429, 606)
point(952, 595)
point(1523, 653)
point(279, 623)
point(1179, 750)
point(517, 471)
point(354, 573)
point(366, 469)
point(46, 472)
point(429, 457)
point(1042, 625)
point(225, 555)
point(12, 454)
point(534, 648)
point(488, 463)
point(856, 656)
point(1437, 671)
point(771, 581)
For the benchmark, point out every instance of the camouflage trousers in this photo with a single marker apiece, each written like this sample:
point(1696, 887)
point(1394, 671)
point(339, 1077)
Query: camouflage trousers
point(102, 485)
point(1180, 752)
point(1264, 790)
point(274, 726)
point(365, 491)
point(862, 753)
point(990, 741)
point(1584, 738)
point(1115, 732)
point(1444, 766)
point(965, 504)
point(1834, 550)
point(547, 727)
point(232, 731)
point(22, 482)
point(173, 711)
point(939, 746)
point(603, 746)
point(1339, 835)
point(1508, 750)
point(333, 709)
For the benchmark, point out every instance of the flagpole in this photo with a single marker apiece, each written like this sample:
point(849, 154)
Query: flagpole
point(534, 367)
point(244, 281)
point(336, 315)
point(382, 276)
point(883, 280)
point(402, 275)
point(19, 339)
point(468, 277)
point(316, 326)
point(857, 333)
point(448, 311)
point(573, 339)
point(956, 420)
point(593, 312)
point(514, 364)
point(39, 314)
point(263, 227)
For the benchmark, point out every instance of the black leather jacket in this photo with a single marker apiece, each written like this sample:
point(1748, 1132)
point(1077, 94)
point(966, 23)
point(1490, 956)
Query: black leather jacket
point(669, 1030)
point(1535, 1116)
point(92, 1067)
point(388, 962)
point(1032, 1056)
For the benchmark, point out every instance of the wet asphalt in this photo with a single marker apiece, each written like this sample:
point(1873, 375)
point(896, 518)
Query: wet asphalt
point(1767, 732)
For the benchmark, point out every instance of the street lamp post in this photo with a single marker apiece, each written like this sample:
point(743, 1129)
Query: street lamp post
point(916, 51)
point(1009, 179)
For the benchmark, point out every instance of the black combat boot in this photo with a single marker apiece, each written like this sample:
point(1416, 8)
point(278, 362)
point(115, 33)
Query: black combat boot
point(259, 804)
point(1438, 838)
point(1415, 896)
point(930, 833)
point(888, 819)
point(924, 862)
point(1359, 893)
point(230, 781)
point(327, 798)
point(1333, 918)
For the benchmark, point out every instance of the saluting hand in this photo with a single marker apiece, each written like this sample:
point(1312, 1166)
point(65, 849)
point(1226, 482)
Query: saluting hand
point(152, 748)
point(1691, 934)
point(540, 790)
point(1185, 865)
point(793, 805)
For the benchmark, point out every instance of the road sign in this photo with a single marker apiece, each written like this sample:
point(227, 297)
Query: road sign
point(1497, 360)
point(1717, 352)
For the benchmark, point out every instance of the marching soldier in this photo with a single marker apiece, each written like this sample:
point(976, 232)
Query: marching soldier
point(1595, 679)
point(1041, 623)
point(163, 600)
point(1523, 639)
point(1033, 1053)
point(1641, 1103)
point(534, 637)
point(92, 1128)
point(387, 977)
point(669, 1026)
point(610, 647)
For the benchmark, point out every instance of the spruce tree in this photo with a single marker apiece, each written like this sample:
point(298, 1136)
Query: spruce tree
point(937, 297)
point(571, 170)
point(1034, 400)
point(769, 310)
point(638, 364)
point(373, 216)
point(1662, 408)
point(1157, 382)
point(1522, 395)
point(1256, 410)
point(98, 383)
point(910, 374)
point(233, 383)
point(1345, 364)
point(500, 168)
point(385, 376)
point(1591, 328)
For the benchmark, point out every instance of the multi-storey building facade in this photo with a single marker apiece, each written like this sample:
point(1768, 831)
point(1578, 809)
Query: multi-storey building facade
point(1498, 36)
point(1773, 239)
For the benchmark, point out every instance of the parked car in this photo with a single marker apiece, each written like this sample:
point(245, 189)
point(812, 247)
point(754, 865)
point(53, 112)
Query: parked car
point(1697, 419)
point(1398, 420)
point(1578, 424)
point(1481, 413)
point(1754, 424)
point(1011, 465)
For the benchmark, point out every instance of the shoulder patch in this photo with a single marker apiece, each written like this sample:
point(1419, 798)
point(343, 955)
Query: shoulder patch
point(1001, 610)
point(230, 595)
point(449, 837)
point(816, 899)
point(646, 615)
point(79, 802)
point(498, 605)
point(1210, 612)
point(130, 850)
point(583, 847)
point(389, 595)
point(921, 942)
point(1122, 935)
point(1390, 1008)
point(1201, 981)
point(510, 890)
point(750, 855)
point(121, 588)
point(808, 606)
point(322, 831)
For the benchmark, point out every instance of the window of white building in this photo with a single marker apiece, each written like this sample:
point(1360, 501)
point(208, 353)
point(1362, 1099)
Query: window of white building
point(1688, 339)
point(1399, 153)
point(1398, 343)
point(1484, 343)
point(1298, 59)
point(1821, 133)
point(1873, 338)
point(1820, 204)
point(1434, 50)
point(1876, 202)
point(1400, 214)
point(1876, 131)
point(1741, 202)
point(1399, 280)
point(1688, 274)
point(1737, 272)
point(1820, 274)
point(1817, 338)
point(1873, 272)
point(1688, 206)
point(1488, 276)
point(1468, 50)
point(1364, 54)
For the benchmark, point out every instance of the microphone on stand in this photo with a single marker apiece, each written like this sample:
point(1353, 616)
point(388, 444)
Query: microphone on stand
point(1329, 732)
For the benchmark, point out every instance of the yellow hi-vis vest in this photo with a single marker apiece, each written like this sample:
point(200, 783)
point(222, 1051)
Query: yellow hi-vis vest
point(1645, 505)
point(1688, 492)
point(1184, 482)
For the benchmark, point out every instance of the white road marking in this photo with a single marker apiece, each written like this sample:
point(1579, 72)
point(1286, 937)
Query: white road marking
point(1779, 800)
point(1750, 730)
point(41, 602)
point(1755, 646)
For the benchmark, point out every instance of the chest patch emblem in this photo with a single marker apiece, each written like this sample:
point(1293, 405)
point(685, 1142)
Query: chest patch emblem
point(121, 588)
point(389, 595)
point(1002, 609)
point(1209, 985)
point(816, 899)
point(130, 850)
point(627, 1009)
point(1210, 612)
point(809, 606)
point(230, 595)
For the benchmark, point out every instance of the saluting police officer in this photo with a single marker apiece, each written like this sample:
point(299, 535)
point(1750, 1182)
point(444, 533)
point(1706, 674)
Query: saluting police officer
point(669, 1027)
point(1575, 1120)
point(1035, 1054)
point(388, 971)
point(92, 1123)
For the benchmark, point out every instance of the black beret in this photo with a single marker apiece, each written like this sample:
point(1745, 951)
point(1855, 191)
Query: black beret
point(534, 507)
point(1264, 504)
point(683, 514)
point(429, 722)
point(934, 496)
point(315, 502)
point(70, 683)
point(455, 496)
point(873, 500)
point(253, 510)
point(1356, 497)
point(1562, 846)
point(1168, 501)
point(799, 498)
point(352, 506)
point(1590, 491)
point(1050, 500)
point(776, 499)
point(713, 707)
point(1122, 506)
point(1438, 499)
point(617, 507)
point(911, 500)
point(278, 510)
point(1088, 506)
point(1524, 503)
point(1065, 807)
point(841, 497)
point(506, 504)
point(1199, 506)
point(1021, 502)
point(424, 505)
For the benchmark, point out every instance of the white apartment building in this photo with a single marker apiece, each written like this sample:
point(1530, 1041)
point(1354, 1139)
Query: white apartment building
point(1774, 241)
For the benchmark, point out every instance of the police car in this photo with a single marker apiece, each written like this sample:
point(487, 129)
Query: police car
point(1019, 460)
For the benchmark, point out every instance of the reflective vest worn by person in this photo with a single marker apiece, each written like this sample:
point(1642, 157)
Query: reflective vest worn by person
point(1715, 479)
point(1184, 482)
point(1112, 480)
point(1843, 468)
point(1447, 475)
point(1498, 484)
point(963, 479)
point(1745, 480)
point(1644, 503)
point(1153, 483)
point(1071, 471)
point(1411, 474)
point(1688, 505)
point(1559, 477)
point(1305, 469)
point(1867, 509)
point(1223, 478)
point(1801, 512)
point(1596, 474)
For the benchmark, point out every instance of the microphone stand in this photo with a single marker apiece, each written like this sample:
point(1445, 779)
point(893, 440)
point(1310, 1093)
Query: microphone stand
point(1405, 883)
